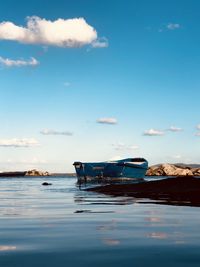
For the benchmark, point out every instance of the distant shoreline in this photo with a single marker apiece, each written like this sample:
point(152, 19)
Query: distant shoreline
point(35, 174)
point(12, 174)
point(166, 169)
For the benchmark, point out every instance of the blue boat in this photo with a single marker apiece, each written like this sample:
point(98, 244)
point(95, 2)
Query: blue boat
point(129, 168)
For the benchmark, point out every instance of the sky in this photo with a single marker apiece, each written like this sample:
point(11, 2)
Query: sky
point(98, 80)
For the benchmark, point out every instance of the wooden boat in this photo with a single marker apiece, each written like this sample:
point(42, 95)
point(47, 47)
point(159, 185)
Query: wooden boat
point(129, 168)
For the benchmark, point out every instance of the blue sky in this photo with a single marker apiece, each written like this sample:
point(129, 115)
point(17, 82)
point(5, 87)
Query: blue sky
point(124, 82)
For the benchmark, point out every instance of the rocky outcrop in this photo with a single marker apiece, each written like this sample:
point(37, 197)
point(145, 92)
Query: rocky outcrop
point(196, 171)
point(172, 170)
point(36, 173)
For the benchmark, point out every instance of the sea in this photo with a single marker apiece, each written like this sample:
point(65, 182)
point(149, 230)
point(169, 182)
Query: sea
point(63, 225)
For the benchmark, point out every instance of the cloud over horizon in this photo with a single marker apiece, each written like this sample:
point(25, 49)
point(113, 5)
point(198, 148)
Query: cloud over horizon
point(174, 129)
point(75, 32)
point(54, 132)
point(173, 26)
point(107, 120)
point(176, 156)
point(153, 132)
point(198, 130)
point(100, 43)
point(122, 146)
point(169, 27)
point(19, 142)
point(33, 160)
point(18, 63)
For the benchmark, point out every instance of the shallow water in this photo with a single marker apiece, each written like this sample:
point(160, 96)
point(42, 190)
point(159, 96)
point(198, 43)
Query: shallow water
point(60, 225)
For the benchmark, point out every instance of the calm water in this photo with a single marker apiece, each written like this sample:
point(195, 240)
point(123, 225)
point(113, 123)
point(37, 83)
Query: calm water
point(60, 225)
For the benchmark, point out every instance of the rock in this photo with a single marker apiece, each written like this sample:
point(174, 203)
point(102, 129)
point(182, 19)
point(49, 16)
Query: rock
point(196, 171)
point(36, 173)
point(45, 183)
point(171, 170)
point(155, 171)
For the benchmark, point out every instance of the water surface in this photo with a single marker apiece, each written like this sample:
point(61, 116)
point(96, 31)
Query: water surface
point(60, 225)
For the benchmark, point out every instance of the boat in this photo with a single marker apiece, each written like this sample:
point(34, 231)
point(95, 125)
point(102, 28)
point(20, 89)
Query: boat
point(129, 168)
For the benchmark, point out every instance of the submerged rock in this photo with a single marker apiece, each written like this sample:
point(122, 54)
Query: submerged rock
point(45, 183)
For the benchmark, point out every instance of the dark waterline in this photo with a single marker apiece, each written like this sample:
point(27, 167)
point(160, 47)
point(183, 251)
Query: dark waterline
point(182, 190)
point(59, 225)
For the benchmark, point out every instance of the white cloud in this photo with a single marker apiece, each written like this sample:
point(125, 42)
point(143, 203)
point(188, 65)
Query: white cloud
point(100, 43)
point(198, 128)
point(54, 132)
point(34, 160)
point(74, 32)
point(119, 146)
point(107, 120)
point(153, 132)
point(175, 129)
point(17, 142)
point(122, 146)
point(176, 157)
point(173, 26)
point(18, 63)
point(134, 147)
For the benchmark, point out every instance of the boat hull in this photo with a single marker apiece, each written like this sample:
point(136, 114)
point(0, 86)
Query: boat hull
point(123, 169)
